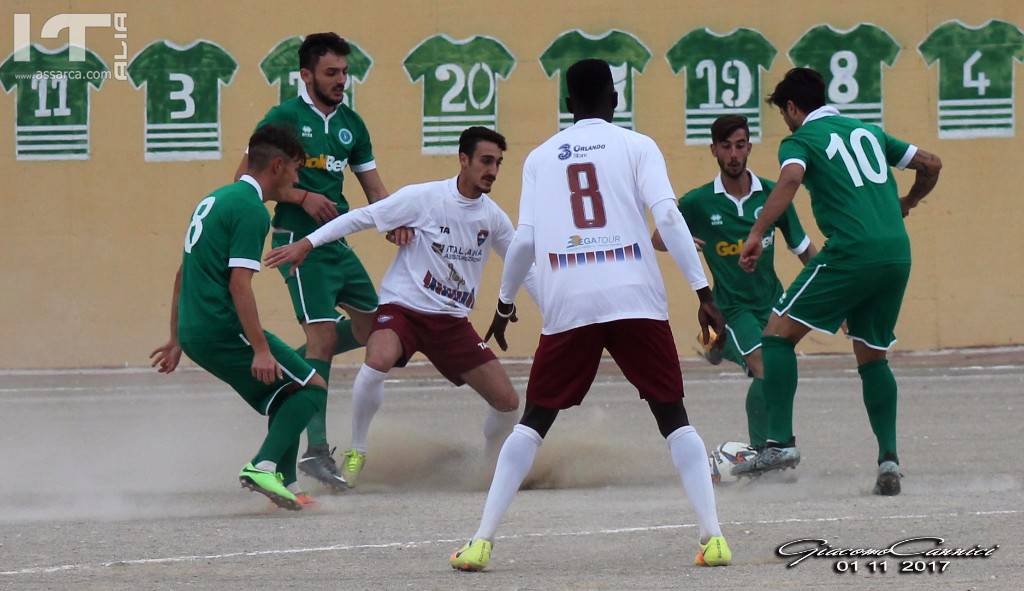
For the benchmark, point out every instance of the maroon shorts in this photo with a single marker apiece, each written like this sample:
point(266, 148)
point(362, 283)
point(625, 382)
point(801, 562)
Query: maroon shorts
point(566, 363)
point(449, 342)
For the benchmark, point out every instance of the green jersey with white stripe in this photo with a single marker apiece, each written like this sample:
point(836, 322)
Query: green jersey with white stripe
point(975, 77)
point(851, 63)
point(331, 142)
point(227, 230)
point(52, 120)
point(460, 86)
point(183, 86)
point(723, 77)
point(853, 193)
point(723, 222)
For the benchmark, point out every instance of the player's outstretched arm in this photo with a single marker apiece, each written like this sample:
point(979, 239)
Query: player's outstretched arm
point(782, 195)
point(296, 252)
point(374, 189)
point(264, 366)
point(927, 166)
point(168, 355)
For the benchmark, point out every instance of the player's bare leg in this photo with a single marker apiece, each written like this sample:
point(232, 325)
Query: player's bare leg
point(491, 381)
point(780, 380)
point(880, 400)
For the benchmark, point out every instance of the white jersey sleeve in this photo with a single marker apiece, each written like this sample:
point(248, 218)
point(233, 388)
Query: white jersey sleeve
point(651, 173)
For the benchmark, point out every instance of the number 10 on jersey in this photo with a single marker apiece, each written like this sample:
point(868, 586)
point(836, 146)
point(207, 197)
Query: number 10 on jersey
point(585, 196)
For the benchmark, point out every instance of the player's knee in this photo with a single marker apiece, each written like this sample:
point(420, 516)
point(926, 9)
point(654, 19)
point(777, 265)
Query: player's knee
point(539, 418)
point(315, 395)
point(506, 401)
point(669, 415)
point(755, 363)
point(317, 382)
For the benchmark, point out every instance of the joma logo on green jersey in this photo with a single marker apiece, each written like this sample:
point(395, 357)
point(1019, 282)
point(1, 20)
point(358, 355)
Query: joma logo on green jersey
point(326, 162)
point(725, 249)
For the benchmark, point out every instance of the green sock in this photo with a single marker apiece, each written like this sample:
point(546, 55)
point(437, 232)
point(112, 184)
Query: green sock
point(286, 466)
point(780, 378)
point(287, 423)
point(880, 400)
point(316, 431)
point(757, 413)
point(346, 339)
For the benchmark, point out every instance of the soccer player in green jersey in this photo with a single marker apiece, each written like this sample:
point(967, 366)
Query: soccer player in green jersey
point(720, 215)
point(215, 322)
point(861, 272)
point(333, 136)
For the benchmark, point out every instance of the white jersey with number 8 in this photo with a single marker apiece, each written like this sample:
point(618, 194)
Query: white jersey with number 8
point(584, 194)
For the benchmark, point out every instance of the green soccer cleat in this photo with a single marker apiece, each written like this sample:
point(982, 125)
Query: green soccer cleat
point(351, 465)
point(473, 556)
point(270, 485)
point(715, 553)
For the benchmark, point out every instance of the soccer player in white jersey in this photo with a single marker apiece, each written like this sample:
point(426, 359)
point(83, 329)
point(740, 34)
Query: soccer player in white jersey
point(581, 220)
point(430, 288)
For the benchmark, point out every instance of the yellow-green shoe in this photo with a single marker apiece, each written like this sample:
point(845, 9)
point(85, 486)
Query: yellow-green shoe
point(473, 556)
point(270, 485)
point(715, 553)
point(352, 463)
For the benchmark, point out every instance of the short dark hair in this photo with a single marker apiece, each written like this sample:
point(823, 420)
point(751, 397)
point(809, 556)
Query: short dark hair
point(316, 45)
point(588, 82)
point(271, 141)
point(804, 86)
point(471, 136)
point(726, 125)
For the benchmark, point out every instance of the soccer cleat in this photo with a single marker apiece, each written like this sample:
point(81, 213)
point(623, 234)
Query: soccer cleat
point(473, 556)
point(351, 466)
point(888, 483)
point(318, 463)
point(268, 484)
point(771, 458)
point(306, 501)
point(715, 553)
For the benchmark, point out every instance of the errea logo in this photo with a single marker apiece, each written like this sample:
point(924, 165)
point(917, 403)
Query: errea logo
point(326, 162)
point(716, 220)
point(307, 131)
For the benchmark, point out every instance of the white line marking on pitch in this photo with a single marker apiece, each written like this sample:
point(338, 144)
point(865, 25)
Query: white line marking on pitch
point(596, 532)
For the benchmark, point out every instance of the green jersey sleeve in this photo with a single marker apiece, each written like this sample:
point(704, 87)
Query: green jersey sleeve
point(247, 237)
point(277, 116)
point(792, 230)
point(793, 150)
point(688, 207)
point(898, 152)
point(362, 149)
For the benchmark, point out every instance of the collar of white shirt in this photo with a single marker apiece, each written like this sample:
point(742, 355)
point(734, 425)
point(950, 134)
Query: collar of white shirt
point(820, 113)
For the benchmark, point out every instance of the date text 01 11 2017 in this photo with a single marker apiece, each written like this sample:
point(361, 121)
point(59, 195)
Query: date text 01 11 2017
point(917, 555)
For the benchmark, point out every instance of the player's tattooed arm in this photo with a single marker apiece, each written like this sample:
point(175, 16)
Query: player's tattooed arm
point(168, 355)
point(927, 166)
point(264, 366)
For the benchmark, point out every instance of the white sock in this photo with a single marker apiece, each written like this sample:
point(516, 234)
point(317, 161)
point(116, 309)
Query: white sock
point(497, 426)
point(367, 396)
point(266, 466)
point(691, 460)
point(514, 464)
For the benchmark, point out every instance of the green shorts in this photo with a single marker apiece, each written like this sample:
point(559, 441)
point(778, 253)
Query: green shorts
point(231, 362)
point(743, 329)
point(867, 298)
point(331, 276)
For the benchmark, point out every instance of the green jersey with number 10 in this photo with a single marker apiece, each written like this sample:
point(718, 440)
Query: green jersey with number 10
point(853, 193)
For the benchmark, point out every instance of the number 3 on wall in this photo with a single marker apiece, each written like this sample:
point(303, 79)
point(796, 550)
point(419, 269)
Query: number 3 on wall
point(585, 196)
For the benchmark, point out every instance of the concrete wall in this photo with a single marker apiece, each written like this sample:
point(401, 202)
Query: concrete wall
point(90, 246)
